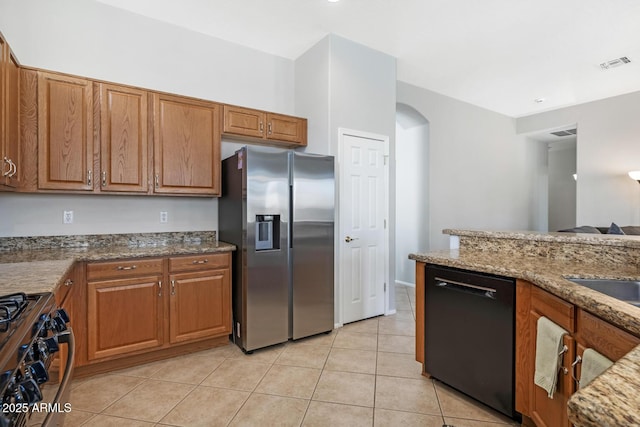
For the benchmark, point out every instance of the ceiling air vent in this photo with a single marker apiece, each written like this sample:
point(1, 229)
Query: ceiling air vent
point(567, 132)
point(615, 63)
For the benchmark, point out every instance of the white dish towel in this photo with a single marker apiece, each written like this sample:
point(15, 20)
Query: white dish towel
point(593, 364)
point(548, 354)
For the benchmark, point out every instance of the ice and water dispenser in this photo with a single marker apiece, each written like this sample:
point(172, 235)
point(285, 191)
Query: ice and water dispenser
point(267, 232)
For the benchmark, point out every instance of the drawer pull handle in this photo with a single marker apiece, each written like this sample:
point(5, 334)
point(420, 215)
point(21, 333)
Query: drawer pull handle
point(159, 288)
point(104, 178)
point(204, 261)
point(121, 268)
point(173, 287)
point(89, 176)
point(564, 350)
point(573, 370)
point(68, 282)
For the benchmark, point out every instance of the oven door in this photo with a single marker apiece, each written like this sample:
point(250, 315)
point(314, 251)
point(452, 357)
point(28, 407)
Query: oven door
point(55, 397)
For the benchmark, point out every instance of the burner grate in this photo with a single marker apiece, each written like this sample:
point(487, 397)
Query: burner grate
point(10, 308)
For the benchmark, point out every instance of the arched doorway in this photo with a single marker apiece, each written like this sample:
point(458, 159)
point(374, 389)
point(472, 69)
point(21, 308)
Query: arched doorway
point(412, 190)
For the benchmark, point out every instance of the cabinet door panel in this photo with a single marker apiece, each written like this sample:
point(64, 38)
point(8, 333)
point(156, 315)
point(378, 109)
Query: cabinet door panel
point(123, 142)
point(65, 133)
point(547, 412)
point(4, 47)
point(286, 128)
point(243, 121)
point(124, 316)
point(12, 119)
point(200, 305)
point(186, 146)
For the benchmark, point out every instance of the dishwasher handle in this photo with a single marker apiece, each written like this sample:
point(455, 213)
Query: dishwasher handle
point(481, 291)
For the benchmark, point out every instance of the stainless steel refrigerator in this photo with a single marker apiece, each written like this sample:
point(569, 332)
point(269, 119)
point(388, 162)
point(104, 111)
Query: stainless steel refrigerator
point(277, 207)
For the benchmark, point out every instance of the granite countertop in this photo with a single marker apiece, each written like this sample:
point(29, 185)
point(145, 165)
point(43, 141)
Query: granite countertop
point(613, 398)
point(42, 270)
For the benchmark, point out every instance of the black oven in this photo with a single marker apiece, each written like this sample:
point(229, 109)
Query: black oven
point(32, 331)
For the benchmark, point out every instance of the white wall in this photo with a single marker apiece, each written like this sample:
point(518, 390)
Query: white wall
point(41, 214)
point(608, 147)
point(562, 185)
point(90, 39)
point(342, 84)
point(479, 171)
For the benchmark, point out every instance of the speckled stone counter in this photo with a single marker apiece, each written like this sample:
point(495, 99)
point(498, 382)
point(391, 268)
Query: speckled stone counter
point(29, 270)
point(613, 399)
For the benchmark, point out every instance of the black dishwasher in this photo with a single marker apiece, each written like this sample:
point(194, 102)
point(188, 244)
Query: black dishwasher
point(469, 334)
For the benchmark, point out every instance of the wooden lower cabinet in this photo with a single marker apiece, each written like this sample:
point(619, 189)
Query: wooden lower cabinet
point(124, 315)
point(420, 284)
point(137, 306)
point(546, 412)
point(66, 298)
point(200, 305)
point(584, 331)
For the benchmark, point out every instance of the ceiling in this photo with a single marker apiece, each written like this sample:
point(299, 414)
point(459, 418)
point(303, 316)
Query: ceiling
point(498, 54)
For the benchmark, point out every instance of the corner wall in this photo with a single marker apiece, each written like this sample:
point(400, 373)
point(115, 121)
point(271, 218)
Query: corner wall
point(608, 147)
point(479, 169)
point(342, 84)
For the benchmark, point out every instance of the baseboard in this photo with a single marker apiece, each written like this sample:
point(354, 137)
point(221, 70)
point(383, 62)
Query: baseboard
point(400, 282)
point(390, 312)
point(337, 325)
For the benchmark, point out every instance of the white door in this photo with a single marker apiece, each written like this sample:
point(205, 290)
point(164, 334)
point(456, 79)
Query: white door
point(363, 201)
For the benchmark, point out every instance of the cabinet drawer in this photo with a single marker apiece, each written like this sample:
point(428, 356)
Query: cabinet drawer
point(198, 262)
point(603, 337)
point(129, 268)
point(556, 309)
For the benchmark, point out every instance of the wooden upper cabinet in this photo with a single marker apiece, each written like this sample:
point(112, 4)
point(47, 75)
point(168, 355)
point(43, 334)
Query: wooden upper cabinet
point(10, 159)
point(123, 138)
point(265, 127)
point(287, 128)
point(12, 120)
point(186, 145)
point(243, 121)
point(65, 133)
point(5, 165)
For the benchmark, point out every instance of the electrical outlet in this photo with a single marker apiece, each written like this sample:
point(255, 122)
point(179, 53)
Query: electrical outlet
point(164, 217)
point(67, 217)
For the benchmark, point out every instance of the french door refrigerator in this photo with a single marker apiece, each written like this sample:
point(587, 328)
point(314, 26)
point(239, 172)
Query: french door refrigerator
point(277, 207)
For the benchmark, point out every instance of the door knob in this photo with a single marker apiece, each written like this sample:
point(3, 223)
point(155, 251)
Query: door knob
point(349, 238)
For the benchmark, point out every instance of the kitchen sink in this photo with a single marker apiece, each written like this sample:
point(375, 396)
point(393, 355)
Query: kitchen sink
point(624, 290)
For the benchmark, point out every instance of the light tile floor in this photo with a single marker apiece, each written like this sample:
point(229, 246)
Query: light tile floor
point(363, 374)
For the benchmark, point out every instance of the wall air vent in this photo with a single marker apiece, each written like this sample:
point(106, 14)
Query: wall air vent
point(567, 132)
point(615, 63)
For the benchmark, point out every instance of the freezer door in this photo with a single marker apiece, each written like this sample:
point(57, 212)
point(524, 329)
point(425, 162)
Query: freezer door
point(266, 289)
point(312, 246)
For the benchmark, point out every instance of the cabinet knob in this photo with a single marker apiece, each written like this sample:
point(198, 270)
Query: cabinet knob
point(68, 282)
